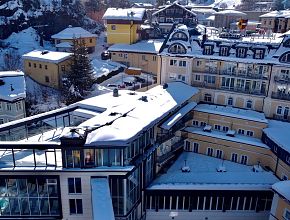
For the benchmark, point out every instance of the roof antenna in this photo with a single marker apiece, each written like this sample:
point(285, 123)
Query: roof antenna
point(11, 88)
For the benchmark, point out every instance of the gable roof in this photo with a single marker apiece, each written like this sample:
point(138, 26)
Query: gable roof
point(134, 14)
point(174, 3)
point(73, 32)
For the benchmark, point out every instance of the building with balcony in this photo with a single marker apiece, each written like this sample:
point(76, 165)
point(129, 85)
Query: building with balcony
point(124, 25)
point(276, 21)
point(64, 39)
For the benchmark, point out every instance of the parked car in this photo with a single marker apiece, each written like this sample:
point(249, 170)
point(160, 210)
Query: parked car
point(105, 55)
point(113, 86)
point(128, 83)
point(139, 79)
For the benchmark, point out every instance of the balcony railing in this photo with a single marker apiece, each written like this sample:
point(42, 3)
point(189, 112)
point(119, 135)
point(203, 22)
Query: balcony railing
point(244, 74)
point(204, 85)
point(243, 90)
point(281, 117)
point(280, 95)
point(281, 79)
point(175, 147)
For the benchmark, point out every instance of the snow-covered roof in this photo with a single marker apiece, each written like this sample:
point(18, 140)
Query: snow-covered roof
point(131, 113)
point(64, 45)
point(203, 175)
point(169, 123)
point(47, 56)
point(279, 132)
point(12, 85)
point(283, 189)
point(174, 3)
point(73, 32)
point(146, 46)
point(221, 135)
point(231, 13)
point(130, 14)
point(232, 112)
point(276, 14)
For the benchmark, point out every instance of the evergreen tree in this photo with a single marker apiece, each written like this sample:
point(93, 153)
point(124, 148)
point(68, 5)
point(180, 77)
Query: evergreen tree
point(278, 5)
point(94, 5)
point(286, 4)
point(78, 81)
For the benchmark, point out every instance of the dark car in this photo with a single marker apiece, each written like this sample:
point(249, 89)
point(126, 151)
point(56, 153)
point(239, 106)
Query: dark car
point(105, 55)
point(139, 79)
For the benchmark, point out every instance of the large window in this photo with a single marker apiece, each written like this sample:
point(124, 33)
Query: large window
point(209, 151)
point(244, 159)
point(209, 79)
point(207, 98)
point(74, 185)
point(287, 214)
point(29, 196)
point(177, 48)
point(285, 58)
point(234, 157)
point(219, 154)
point(75, 206)
point(73, 158)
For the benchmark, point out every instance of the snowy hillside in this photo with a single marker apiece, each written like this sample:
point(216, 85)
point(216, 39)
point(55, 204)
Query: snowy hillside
point(217, 3)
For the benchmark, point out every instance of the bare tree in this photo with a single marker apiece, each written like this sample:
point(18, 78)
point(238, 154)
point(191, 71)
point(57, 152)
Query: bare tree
point(11, 60)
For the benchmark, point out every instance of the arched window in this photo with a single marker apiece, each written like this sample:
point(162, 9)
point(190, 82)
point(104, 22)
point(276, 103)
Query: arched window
point(279, 110)
point(249, 104)
point(179, 36)
point(177, 48)
point(230, 101)
point(285, 58)
point(286, 112)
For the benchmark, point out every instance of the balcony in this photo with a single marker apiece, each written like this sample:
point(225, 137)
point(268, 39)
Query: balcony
point(282, 117)
point(204, 85)
point(245, 91)
point(283, 80)
point(244, 74)
point(280, 95)
point(175, 147)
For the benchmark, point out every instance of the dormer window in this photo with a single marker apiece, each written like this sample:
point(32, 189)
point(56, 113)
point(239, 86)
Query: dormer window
point(208, 50)
point(177, 48)
point(241, 52)
point(259, 54)
point(224, 51)
point(179, 36)
point(285, 58)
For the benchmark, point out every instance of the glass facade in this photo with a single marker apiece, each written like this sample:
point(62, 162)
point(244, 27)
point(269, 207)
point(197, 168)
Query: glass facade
point(30, 196)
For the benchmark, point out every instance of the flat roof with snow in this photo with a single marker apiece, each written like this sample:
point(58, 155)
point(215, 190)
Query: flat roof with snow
point(130, 14)
point(12, 85)
point(232, 112)
point(47, 56)
point(203, 175)
point(148, 46)
point(72, 33)
point(283, 189)
point(221, 135)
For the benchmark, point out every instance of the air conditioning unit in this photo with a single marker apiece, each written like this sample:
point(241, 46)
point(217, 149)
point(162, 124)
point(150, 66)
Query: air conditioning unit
point(207, 128)
point(231, 133)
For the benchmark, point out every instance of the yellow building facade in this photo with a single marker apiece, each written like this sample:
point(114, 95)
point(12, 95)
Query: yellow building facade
point(47, 67)
point(123, 25)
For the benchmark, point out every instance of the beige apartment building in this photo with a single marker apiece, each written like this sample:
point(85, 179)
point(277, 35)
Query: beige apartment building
point(276, 21)
point(46, 67)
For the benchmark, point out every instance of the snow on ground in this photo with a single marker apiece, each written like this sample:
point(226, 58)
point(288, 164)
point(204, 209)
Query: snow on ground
point(104, 67)
point(218, 3)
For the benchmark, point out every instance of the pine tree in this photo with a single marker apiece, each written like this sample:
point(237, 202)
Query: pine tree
point(286, 4)
point(78, 81)
point(278, 5)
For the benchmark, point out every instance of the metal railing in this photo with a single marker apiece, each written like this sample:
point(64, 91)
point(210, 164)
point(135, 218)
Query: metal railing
point(280, 95)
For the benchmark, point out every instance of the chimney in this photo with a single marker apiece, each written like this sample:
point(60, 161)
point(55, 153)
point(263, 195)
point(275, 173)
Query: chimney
point(115, 92)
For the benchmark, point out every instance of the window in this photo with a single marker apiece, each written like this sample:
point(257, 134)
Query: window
point(241, 52)
point(120, 55)
point(202, 124)
point(9, 107)
point(34, 65)
point(209, 151)
point(217, 127)
point(259, 54)
point(207, 97)
point(1, 121)
point(177, 48)
point(219, 154)
point(286, 112)
point(230, 101)
point(209, 79)
point(225, 128)
point(182, 63)
point(40, 66)
point(62, 68)
point(74, 185)
point(18, 106)
point(197, 77)
point(234, 157)
point(91, 40)
point(29, 64)
point(187, 146)
point(249, 104)
point(241, 131)
point(244, 159)
point(198, 63)
point(46, 79)
point(45, 67)
point(285, 58)
point(126, 56)
point(250, 133)
point(195, 147)
point(113, 27)
point(287, 214)
point(195, 123)
point(173, 62)
point(154, 58)
point(207, 50)
point(224, 51)
point(279, 110)
point(143, 57)
point(75, 206)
